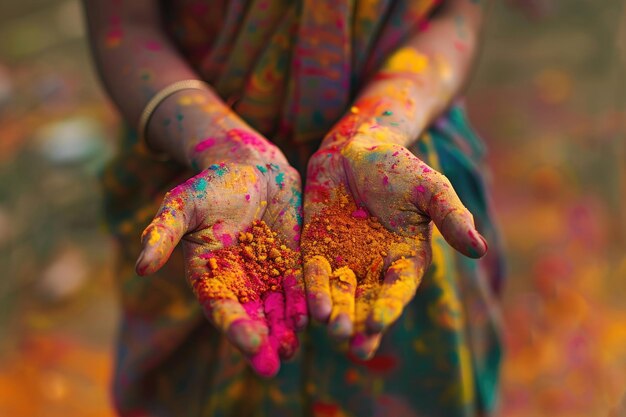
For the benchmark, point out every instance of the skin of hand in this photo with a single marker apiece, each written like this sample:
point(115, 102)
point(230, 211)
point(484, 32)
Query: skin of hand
point(206, 213)
point(366, 154)
point(405, 194)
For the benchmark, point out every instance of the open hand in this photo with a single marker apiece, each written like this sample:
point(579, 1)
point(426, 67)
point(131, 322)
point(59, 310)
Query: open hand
point(239, 224)
point(366, 240)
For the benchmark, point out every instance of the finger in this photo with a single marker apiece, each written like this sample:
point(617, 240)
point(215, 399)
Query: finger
point(398, 289)
point(435, 196)
point(264, 361)
point(164, 232)
point(293, 285)
point(342, 291)
point(281, 334)
point(364, 346)
point(225, 312)
point(286, 211)
point(317, 272)
point(366, 294)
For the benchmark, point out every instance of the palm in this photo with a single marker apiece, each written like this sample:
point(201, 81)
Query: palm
point(384, 198)
point(254, 299)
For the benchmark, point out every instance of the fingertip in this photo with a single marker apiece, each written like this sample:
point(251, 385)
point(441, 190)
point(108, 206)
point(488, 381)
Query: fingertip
point(146, 265)
point(320, 306)
point(140, 266)
point(265, 362)
point(288, 345)
point(247, 335)
point(300, 321)
point(364, 346)
point(340, 327)
point(460, 232)
point(296, 305)
point(478, 246)
point(374, 325)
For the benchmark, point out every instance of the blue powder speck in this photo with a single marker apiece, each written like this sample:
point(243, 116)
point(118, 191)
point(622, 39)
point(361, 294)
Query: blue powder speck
point(200, 185)
point(280, 179)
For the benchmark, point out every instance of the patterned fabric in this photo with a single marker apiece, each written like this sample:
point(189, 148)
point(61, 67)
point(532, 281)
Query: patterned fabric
point(440, 359)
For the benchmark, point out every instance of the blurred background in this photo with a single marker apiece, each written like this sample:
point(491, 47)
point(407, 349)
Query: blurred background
point(548, 96)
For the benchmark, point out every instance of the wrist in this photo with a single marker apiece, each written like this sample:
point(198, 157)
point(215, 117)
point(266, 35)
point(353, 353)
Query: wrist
point(376, 118)
point(240, 146)
point(362, 132)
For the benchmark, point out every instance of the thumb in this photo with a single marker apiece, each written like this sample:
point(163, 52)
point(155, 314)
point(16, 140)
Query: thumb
point(167, 228)
point(436, 197)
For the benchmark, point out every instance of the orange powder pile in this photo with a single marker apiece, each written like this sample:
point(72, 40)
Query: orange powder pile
point(255, 265)
point(347, 236)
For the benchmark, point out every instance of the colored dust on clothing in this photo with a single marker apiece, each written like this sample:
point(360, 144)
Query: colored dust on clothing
point(245, 271)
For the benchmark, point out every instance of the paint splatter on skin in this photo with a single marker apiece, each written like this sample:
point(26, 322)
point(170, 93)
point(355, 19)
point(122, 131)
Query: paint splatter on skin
point(385, 198)
point(240, 245)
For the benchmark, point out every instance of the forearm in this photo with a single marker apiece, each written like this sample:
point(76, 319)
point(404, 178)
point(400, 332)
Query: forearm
point(136, 59)
point(418, 81)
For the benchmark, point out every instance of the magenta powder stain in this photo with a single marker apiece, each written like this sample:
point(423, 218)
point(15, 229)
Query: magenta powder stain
point(420, 188)
point(226, 239)
point(247, 197)
point(385, 180)
point(204, 145)
point(360, 213)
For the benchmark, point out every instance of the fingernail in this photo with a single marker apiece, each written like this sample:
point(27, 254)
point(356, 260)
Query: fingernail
point(484, 243)
point(478, 246)
point(139, 268)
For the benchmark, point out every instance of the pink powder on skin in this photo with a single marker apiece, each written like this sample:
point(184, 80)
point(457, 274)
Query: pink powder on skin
point(360, 213)
point(225, 238)
point(204, 145)
point(296, 307)
point(265, 361)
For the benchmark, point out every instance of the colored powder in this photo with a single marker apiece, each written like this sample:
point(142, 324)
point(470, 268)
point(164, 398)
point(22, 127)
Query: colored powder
point(348, 236)
point(200, 185)
point(204, 145)
point(255, 265)
point(219, 170)
point(407, 59)
point(280, 180)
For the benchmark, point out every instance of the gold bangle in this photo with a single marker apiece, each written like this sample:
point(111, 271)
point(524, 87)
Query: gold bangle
point(154, 102)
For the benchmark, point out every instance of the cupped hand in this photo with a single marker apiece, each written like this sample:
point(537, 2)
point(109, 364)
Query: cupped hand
point(366, 240)
point(239, 225)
